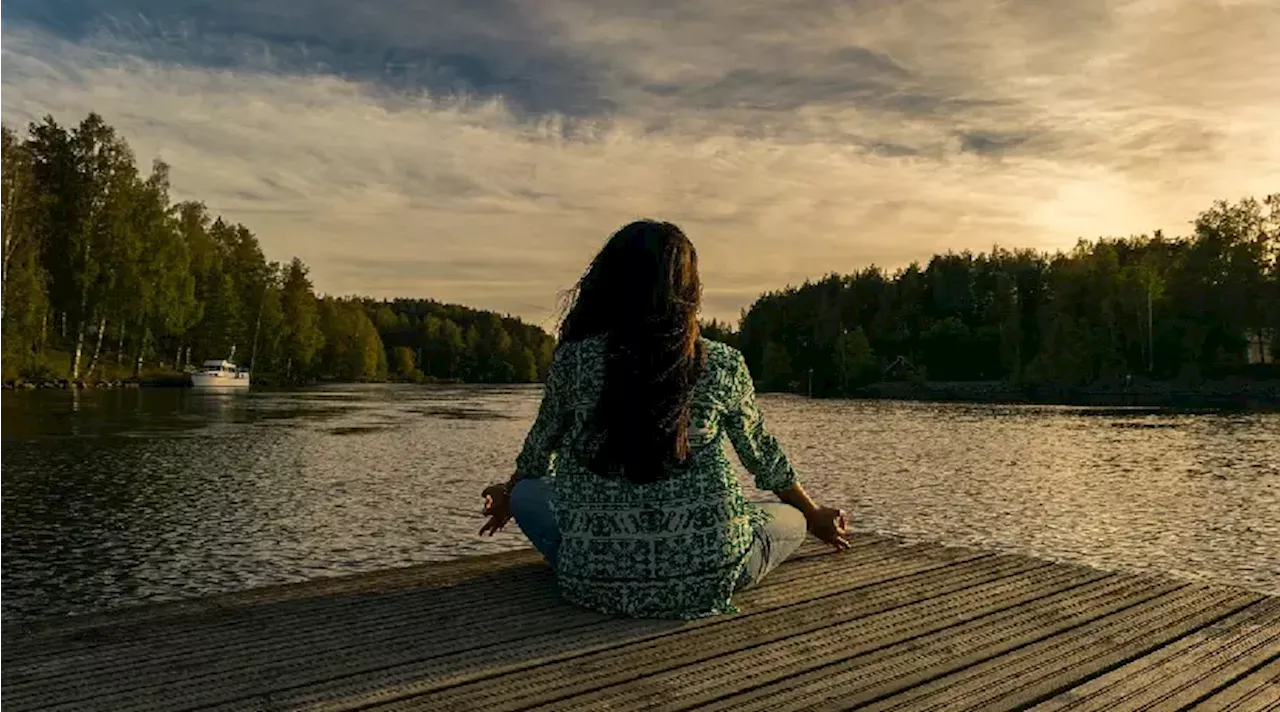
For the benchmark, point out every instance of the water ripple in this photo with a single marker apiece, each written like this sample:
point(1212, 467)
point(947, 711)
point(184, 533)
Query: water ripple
point(120, 497)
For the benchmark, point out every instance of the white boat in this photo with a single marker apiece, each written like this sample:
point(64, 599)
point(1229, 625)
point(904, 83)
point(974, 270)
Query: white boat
point(220, 373)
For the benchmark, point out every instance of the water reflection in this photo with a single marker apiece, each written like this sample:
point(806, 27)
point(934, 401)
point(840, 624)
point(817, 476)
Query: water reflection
point(122, 496)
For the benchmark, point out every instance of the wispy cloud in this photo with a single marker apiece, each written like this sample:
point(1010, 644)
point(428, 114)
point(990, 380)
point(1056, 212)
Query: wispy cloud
point(475, 152)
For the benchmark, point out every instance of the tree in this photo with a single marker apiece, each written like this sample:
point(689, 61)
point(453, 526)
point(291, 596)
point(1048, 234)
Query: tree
point(154, 290)
point(856, 361)
point(524, 366)
point(403, 364)
point(946, 346)
point(92, 249)
point(455, 347)
point(352, 349)
point(267, 345)
point(719, 331)
point(777, 367)
point(87, 175)
point(472, 361)
point(253, 279)
point(302, 337)
point(19, 249)
point(105, 182)
point(23, 280)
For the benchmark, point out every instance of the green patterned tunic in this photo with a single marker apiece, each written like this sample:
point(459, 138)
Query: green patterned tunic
point(669, 549)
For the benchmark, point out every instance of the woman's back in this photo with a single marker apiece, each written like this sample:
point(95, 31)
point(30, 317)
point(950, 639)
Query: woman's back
point(669, 548)
point(644, 515)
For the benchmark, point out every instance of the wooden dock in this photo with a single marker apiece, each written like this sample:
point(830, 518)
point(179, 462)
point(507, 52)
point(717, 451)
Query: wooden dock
point(884, 626)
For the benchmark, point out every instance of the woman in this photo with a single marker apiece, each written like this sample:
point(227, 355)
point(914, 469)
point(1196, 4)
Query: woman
point(644, 516)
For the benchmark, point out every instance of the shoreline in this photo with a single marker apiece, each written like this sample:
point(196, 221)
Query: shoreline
point(62, 384)
point(177, 380)
point(1227, 394)
point(1233, 394)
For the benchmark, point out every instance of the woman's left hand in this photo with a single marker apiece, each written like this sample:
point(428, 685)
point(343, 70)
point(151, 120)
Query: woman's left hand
point(497, 504)
point(831, 525)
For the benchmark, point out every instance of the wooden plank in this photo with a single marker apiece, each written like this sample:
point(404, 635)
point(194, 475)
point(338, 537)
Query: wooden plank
point(99, 638)
point(1178, 674)
point(238, 639)
point(40, 655)
point(461, 608)
point(357, 691)
point(432, 575)
point(886, 625)
point(684, 670)
point(1061, 657)
point(303, 666)
point(289, 663)
point(391, 636)
point(1257, 691)
point(279, 621)
point(803, 670)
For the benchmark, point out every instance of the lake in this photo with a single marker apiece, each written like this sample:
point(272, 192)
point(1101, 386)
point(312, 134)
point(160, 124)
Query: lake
point(119, 497)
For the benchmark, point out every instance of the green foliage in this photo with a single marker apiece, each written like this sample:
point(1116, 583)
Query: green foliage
point(776, 371)
point(719, 331)
point(352, 349)
point(23, 280)
point(855, 360)
point(100, 270)
point(459, 343)
point(1150, 306)
point(303, 338)
point(525, 365)
point(404, 366)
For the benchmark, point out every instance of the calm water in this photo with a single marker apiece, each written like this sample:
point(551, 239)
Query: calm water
point(121, 497)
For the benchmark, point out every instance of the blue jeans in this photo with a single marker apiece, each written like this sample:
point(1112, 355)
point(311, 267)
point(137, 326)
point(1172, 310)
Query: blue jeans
point(771, 545)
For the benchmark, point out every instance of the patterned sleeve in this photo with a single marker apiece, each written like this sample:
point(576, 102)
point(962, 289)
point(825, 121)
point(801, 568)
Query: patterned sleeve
point(759, 451)
point(544, 437)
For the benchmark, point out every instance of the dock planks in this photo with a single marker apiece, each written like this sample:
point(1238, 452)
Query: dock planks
point(884, 626)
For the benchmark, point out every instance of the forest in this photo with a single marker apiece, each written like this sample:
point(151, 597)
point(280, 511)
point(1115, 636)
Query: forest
point(104, 277)
point(1110, 311)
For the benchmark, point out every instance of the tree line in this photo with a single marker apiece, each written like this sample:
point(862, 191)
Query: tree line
point(103, 276)
point(1206, 305)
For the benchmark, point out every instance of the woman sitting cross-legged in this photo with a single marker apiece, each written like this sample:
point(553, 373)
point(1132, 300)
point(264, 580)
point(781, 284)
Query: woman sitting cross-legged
point(623, 483)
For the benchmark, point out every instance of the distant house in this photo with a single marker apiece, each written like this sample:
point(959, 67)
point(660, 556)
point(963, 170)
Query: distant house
point(1258, 348)
point(900, 368)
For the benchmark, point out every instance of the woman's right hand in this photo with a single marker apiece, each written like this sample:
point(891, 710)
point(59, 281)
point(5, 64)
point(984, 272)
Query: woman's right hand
point(831, 526)
point(497, 504)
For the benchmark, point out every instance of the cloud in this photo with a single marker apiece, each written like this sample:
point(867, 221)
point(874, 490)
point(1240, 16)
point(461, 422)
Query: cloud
point(447, 47)
point(992, 143)
point(480, 152)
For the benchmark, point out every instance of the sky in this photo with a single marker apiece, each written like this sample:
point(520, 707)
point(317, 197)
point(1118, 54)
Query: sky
point(480, 152)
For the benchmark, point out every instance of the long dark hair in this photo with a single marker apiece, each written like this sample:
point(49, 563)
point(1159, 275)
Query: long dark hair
point(642, 293)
